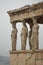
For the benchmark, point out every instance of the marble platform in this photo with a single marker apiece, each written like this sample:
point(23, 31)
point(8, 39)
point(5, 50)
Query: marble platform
point(26, 57)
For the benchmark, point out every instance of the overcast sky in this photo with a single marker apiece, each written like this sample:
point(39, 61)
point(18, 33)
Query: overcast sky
point(5, 26)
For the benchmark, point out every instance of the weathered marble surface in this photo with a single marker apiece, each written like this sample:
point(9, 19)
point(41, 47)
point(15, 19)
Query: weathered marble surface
point(24, 35)
point(14, 37)
point(26, 57)
point(34, 40)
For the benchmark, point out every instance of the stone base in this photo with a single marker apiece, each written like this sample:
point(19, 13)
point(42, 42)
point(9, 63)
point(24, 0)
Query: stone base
point(26, 57)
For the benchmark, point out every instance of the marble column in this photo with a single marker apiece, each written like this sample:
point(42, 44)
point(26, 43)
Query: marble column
point(14, 36)
point(34, 35)
point(24, 35)
point(30, 34)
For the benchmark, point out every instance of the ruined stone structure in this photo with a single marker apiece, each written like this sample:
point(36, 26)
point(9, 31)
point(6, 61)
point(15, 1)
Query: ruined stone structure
point(33, 15)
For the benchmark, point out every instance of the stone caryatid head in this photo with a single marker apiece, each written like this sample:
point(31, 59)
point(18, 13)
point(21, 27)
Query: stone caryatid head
point(14, 25)
point(24, 24)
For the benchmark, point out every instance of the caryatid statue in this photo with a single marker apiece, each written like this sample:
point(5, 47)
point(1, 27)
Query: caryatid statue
point(30, 34)
point(24, 35)
point(34, 35)
point(14, 36)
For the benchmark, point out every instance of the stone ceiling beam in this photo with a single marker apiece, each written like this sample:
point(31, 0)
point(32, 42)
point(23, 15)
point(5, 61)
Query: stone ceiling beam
point(35, 10)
